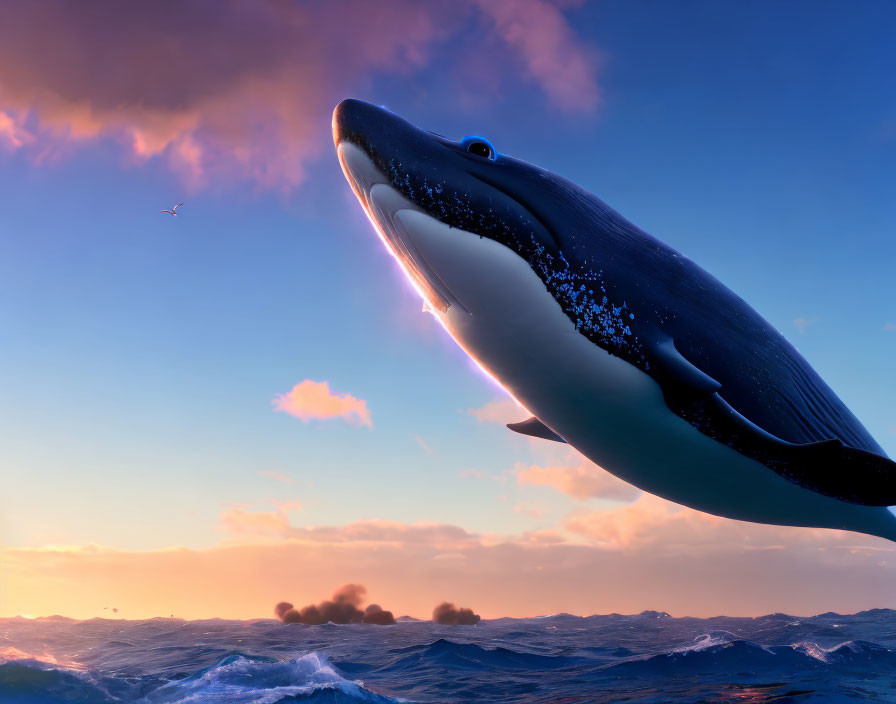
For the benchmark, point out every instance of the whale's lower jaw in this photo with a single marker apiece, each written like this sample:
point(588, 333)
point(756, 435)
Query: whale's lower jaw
point(501, 313)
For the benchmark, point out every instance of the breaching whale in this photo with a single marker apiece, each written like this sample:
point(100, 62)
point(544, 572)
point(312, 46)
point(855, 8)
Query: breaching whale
point(615, 342)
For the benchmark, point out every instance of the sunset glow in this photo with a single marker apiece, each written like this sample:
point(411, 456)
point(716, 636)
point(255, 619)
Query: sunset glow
point(207, 414)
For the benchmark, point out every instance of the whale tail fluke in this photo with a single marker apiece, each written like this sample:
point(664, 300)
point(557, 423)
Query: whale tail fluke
point(884, 524)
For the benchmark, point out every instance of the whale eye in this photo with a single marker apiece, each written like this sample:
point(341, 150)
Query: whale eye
point(479, 146)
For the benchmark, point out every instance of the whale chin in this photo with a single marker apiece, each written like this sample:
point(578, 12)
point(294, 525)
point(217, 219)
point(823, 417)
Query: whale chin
point(389, 211)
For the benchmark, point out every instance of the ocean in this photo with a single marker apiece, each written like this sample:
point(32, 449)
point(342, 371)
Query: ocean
point(563, 659)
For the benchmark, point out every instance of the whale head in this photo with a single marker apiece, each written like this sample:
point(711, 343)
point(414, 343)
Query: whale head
point(476, 231)
point(403, 176)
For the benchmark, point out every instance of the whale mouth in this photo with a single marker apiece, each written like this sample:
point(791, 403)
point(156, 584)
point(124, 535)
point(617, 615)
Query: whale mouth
point(384, 205)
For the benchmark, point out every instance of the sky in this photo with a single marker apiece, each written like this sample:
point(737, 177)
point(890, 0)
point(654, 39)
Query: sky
point(207, 414)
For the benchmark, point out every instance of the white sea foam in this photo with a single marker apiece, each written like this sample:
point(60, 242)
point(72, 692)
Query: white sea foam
point(707, 640)
point(243, 680)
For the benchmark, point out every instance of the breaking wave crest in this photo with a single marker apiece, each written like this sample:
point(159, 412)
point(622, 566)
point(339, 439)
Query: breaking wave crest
point(237, 679)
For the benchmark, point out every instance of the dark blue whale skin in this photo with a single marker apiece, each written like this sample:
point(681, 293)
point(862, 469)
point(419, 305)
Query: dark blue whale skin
point(721, 366)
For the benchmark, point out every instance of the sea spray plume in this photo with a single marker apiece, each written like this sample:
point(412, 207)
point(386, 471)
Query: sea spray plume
point(343, 608)
point(448, 614)
point(377, 615)
point(291, 616)
point(281, 609)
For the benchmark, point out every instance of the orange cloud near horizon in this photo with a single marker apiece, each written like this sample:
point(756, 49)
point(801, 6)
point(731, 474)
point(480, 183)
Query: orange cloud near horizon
point(312, 400)
point(647, 555)
point(581, 481)
point(500, 411)
point(507, 579)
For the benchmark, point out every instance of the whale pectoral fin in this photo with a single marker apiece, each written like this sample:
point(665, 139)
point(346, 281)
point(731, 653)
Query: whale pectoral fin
point(679, 369)
point(536, 429)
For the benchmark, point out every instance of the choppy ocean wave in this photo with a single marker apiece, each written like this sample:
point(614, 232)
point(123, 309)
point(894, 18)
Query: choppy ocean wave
point(648, 657)
point(237, 679)
point(242, 679)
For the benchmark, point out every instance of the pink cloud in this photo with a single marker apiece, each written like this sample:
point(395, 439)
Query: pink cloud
point(276, 476)
point(651, 523)
point(580, 481)
point(423, 445)
point(264, 523)
point(276, 523)
point(501, 411)
point(440, 535)
point(313, 400)
point(527, 509)
point(258, 110)
point(12, 133)
point(802, 324)
point(552, 55)
point(241, 520)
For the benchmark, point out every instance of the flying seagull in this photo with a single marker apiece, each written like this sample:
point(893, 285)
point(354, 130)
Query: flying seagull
point(173, 210)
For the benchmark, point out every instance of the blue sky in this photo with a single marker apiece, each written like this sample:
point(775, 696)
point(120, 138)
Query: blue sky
point(140, 354)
